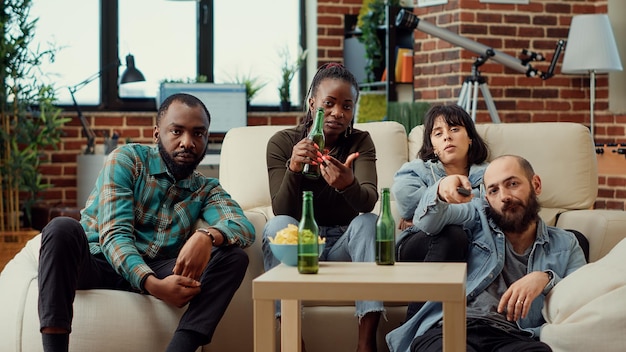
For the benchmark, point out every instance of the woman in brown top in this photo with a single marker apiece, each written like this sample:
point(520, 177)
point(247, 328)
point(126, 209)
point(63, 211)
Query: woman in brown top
point(347, 186)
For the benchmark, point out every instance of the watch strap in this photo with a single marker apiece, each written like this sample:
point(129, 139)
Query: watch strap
point(208, 233)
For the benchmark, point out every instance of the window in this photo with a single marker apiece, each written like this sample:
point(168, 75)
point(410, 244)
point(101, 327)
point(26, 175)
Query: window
point(163, 42)
point(248, 43)
point(76, 40)
point(169, 40)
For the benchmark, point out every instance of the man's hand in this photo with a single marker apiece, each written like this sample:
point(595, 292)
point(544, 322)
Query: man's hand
point(520, 295)
point(194, 256)
point(336, 174)
point(175, 289)
point(447, 190)
point(405, 224)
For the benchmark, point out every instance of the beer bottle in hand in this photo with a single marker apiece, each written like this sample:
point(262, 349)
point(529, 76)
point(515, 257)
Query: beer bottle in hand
point(316, 135)
point(385, 231)
point(308, 250)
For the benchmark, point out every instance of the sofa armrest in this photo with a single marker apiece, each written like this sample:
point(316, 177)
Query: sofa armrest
point(585, 311)
point(15, 281)
point(603, 228)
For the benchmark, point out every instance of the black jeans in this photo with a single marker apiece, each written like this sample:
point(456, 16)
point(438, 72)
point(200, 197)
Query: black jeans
point(481, 337)
point(450, 245)
point(66, 265)
point(582, 242)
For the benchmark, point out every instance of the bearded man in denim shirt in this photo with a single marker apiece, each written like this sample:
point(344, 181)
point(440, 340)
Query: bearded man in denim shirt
point(514, 261)
point(138, 233)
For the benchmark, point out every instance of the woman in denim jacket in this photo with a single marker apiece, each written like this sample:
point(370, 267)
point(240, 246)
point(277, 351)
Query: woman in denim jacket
point(450, 146)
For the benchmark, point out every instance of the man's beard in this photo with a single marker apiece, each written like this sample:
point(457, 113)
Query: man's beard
point(518, 221)
point(180, 171)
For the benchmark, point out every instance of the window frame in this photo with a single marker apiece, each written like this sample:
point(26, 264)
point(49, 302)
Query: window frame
point(109, 52)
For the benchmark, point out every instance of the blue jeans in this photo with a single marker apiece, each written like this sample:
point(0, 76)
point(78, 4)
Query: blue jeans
point(354, 243)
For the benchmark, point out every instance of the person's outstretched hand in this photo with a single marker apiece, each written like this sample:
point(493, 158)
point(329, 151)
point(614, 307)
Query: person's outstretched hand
point(336, 174)
point(448, 189)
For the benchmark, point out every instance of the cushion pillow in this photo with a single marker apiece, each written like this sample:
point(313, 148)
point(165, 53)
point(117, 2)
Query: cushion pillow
point(586, 311)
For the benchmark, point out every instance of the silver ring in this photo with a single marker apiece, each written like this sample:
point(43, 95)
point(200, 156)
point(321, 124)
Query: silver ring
point(520, 302)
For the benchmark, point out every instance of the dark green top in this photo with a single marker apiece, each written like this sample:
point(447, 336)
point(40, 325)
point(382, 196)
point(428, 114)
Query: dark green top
point(331, 207)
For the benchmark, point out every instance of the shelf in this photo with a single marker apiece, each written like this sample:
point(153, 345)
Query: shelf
point(391, 38)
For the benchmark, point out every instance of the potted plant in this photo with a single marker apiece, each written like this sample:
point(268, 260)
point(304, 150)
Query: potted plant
point(370, 19)
point(253, 85)
point(30, 122)
point(288, 70)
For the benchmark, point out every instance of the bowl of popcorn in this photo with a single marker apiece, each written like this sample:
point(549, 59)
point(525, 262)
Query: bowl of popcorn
point(284, 245)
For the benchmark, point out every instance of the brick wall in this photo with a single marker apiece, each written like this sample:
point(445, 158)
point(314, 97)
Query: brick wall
point(440, 69)
point(132, 126)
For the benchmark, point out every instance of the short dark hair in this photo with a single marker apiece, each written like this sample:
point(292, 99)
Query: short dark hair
point(184, 98)
point(454, 115)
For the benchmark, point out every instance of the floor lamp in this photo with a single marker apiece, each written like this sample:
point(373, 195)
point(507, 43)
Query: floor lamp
point(591, 49)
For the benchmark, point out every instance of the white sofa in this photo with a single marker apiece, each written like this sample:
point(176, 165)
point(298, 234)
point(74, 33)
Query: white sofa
point(562, 154)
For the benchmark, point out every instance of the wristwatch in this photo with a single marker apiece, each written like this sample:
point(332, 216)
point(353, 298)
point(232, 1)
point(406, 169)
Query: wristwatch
point(550, 275)
point(549, 285)
point(208, 233)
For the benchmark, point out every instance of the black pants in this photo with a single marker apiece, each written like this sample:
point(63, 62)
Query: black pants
point(482, 337)
point(450, 245)
point(582, 242)
point(66, 265)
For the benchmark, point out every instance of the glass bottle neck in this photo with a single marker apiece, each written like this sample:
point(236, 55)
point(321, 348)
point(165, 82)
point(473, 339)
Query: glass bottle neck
point(318, 123)
point(385, 202)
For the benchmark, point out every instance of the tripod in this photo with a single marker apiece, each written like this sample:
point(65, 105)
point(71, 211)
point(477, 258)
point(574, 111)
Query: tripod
point(469, 93)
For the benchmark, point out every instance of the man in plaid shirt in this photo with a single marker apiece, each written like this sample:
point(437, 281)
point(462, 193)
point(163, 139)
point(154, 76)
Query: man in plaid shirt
point(138, 232)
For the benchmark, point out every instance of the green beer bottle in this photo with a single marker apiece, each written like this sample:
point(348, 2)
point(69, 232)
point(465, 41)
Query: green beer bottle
point(385, 231)
point(308, 250)
point(316, 135)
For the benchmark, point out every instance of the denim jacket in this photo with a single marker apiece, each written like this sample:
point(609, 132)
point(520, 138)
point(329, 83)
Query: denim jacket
point(554, 249)
point(414, 177)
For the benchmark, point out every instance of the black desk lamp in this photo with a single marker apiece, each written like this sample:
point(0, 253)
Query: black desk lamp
point(131, 74)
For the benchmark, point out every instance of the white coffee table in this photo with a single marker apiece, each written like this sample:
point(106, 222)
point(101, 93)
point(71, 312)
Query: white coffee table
point(344, 281)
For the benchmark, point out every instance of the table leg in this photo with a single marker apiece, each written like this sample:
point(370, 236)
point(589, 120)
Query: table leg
point(290, 326)
point(454, 328)
point(264, 329)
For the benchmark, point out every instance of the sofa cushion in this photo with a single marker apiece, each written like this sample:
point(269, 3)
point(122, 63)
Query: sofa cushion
point(130, 321)
point(391, 148)
point(587, 308)
point(243, 165)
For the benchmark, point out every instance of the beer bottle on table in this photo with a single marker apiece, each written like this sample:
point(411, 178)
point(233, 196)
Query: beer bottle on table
point(316, 135)
point(385, 231)
point(308, 231)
